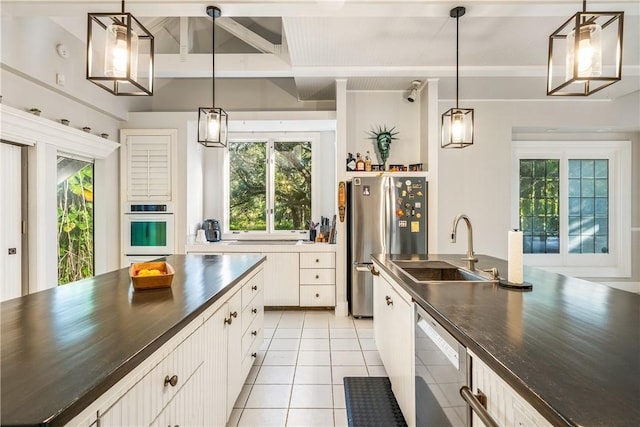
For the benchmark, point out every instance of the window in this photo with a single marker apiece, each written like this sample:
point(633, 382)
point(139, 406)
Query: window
point(269, 185)
point(75, 220)
point(573, 206)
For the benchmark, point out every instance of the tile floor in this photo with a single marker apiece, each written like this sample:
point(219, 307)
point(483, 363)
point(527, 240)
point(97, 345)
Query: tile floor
point(297, 377)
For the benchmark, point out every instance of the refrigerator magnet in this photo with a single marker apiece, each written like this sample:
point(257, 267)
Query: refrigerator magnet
point(417, 205)
point(402, 224)
point(366, 190)
point(415, 226)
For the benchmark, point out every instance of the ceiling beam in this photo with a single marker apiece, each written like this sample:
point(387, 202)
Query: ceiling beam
point(246, 35)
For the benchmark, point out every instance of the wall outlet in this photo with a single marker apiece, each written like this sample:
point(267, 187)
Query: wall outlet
point(60, 80)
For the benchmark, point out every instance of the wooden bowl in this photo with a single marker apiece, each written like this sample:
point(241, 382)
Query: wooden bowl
point(151, 282)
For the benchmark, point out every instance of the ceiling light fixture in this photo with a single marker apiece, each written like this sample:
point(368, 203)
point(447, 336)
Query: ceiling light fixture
point(119, 53)
point(585, 53)
point(213, 121)
point(457, 123)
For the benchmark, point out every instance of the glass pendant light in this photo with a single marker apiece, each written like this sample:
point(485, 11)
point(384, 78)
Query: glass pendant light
point(118, 47)
point(213, 121)
point(457, 123)
point(591, 43)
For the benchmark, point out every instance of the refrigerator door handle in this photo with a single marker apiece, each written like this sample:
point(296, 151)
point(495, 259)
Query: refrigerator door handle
point(366, 266)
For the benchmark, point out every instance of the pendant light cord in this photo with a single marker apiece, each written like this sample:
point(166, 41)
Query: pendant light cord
point(122, 6)
point(457, 56)
point(213, 59)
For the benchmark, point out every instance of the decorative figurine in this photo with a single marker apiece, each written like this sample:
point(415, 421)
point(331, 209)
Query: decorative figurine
point(384, 137)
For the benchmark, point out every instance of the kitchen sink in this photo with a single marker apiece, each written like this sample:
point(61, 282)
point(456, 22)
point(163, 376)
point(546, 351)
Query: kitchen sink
point(424, 271)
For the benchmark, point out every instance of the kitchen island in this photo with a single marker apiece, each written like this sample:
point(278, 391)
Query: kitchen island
point(569, 347)
point(65, 347)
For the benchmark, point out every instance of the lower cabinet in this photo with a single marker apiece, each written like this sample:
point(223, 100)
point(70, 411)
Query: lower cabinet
point(393, 323)
point(282, 281)
point(506, 406)
point(195, 378)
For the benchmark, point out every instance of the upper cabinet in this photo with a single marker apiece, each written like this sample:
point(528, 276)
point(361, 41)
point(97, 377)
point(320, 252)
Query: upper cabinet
point(148, 164)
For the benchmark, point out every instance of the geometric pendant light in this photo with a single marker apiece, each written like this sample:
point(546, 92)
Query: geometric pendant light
point(119, 53)
point(585, 53)
point(213, 121)
point(457, 123)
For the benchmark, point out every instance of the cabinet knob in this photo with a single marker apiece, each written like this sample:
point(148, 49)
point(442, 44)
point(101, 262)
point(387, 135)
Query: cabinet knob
point(389, 300)
point(234, 314)
point(254, 354)
point(317, 276)
point(254, 310)
point(172, 381)
point(317, 295)
point(254, 288)
point(228, 321)
point(254, 333)
point(317, 260)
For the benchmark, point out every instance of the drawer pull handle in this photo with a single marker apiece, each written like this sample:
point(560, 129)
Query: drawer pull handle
point(172, 381)
point(234, 314)
point(254, 288)
point(228, 321)
point(254, 310)
point(254, 333)
point(478, 403)
point(389, 300)
point(254, 354)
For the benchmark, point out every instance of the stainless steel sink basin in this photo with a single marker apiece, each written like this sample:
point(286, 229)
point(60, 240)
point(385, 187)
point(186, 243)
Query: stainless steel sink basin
point(424, 271)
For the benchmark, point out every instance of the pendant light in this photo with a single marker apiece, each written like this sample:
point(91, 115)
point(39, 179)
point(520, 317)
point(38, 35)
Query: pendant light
point(119, 53)
point(212, 122)
point(457, 123)
point(585, 53)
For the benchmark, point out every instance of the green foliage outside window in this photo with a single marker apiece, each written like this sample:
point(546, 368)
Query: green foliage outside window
point(75, 226)
point(251, 182)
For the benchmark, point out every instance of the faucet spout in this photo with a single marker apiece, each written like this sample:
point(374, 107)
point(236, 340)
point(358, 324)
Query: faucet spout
point(470, 258)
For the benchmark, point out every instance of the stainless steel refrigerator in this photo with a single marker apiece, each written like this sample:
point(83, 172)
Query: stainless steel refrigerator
point(387, 215)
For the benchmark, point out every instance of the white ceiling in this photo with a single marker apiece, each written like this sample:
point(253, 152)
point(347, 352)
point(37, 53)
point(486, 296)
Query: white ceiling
point(375, 44)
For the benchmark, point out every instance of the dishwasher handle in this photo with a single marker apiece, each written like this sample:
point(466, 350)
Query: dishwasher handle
point(478, 404)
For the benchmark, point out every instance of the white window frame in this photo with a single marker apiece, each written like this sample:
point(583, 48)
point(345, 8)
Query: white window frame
point(616, 263)
point(270, 138)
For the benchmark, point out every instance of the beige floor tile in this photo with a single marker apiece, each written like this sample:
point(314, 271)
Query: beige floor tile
point(312, 375)
point(377, 371)
point(368, 344)
point(287, 333)
point(310, 418)
point(314, 344)
point(269, 396)
point(340, 417)
point(280, 358)
point(276, 375)
point(314, 358)
point(284, 344)
point(343, 333)
point(263, 417)
point(338, 396)
point(347, 358)
point(372, 358)
point(315, 333)
point(343, 344)
point(339, 372)
point(311, 396)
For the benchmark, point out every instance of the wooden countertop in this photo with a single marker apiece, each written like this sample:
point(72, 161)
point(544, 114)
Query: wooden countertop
point(63, 347)
point(570, 347)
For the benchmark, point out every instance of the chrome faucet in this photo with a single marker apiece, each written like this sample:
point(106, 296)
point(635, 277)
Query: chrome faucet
point(470, 258)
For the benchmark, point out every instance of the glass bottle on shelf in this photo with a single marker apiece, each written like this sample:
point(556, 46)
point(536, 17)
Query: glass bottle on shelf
point(359, 163)
point(351, 163)
point(367, 162)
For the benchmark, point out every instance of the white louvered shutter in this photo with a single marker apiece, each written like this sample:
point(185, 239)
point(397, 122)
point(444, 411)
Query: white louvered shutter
point(149, 167)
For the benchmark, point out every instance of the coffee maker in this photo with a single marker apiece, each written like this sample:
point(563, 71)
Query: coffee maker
point(212, 230)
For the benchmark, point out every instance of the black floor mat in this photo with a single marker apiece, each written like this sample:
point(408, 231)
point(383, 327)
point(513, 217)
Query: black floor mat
point(371, 403)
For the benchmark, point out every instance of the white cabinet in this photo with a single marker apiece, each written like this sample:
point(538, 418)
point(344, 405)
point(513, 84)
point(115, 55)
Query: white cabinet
point(216, 372)
point(148, 164)
point(317, 279)
point(393, 323)
point(506, 406)
point(282, 280)
point(234, 350)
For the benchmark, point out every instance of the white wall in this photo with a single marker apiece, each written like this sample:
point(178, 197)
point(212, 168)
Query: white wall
point(477, 180)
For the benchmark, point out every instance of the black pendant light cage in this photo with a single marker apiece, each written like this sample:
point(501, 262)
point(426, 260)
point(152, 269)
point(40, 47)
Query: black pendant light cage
point(585, 53)
point(120, 54)
point(457, 123)
point(213, 121)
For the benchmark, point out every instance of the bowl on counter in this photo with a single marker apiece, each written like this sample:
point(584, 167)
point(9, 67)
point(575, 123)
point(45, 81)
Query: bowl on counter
point(151, 275)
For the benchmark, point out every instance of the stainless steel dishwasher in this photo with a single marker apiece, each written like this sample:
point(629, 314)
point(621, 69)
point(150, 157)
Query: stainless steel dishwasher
point(443, 374)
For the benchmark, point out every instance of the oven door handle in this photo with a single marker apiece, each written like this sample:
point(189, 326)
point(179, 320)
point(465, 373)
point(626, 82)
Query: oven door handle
point(478, 404)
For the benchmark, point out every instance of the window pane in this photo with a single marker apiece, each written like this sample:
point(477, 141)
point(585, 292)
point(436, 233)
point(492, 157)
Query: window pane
point(292, 185)
point(539, 205)
point(248, 191)
point(588, 206)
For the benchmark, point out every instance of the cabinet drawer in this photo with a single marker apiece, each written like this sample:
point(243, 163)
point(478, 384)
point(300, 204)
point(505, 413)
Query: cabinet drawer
point(250, 289)
point(317, 260)
point(318, 296)
point(317, 276)
point(253, 334)
point(252, 311)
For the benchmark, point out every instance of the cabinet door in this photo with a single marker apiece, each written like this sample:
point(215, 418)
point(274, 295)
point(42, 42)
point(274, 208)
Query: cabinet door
point(282, 279)
point(215, 385)
point(187, 406)
point(234, 350)
point(394, 335)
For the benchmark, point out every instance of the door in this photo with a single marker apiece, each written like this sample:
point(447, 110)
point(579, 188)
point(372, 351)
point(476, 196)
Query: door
point(10, 221)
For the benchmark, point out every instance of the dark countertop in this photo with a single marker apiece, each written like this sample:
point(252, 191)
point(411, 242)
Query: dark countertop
point(570, 347)
point(63, 347)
